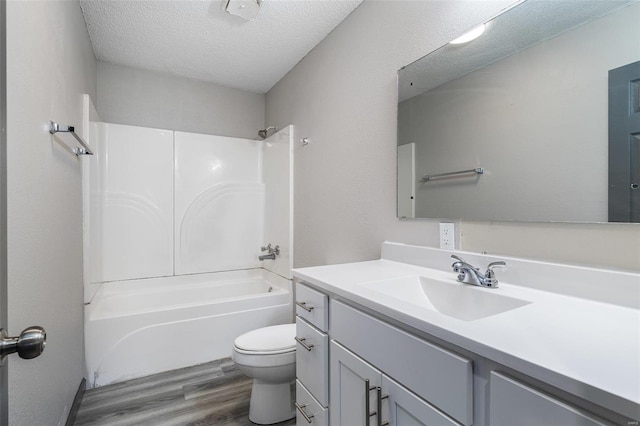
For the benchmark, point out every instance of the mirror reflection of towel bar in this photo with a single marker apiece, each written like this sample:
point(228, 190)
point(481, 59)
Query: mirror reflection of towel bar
point(84, 150)
point(477, 171)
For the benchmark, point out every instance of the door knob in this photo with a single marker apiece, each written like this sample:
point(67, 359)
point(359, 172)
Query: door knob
point(29, 344)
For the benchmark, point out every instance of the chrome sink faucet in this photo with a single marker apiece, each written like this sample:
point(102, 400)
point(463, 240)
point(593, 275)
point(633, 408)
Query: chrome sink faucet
point(469, 274)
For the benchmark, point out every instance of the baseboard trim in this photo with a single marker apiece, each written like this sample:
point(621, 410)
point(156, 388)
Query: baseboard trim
point(73, 413)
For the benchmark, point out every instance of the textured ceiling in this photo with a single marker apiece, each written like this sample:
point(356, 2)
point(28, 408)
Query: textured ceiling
point(197, 39)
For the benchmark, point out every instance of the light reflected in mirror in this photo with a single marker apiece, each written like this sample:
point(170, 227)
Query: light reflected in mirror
point(540, 113)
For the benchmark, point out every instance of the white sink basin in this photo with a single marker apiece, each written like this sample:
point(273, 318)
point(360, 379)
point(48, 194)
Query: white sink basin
point(462, 301)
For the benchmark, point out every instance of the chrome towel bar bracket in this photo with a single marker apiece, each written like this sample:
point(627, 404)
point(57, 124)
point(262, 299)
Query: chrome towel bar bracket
point(83, 150)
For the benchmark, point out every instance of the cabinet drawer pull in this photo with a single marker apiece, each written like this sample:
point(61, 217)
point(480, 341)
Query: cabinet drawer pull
point(306, 416)
point(302, 342)
point(367, 402)
point(304, 306)
point(380, 398)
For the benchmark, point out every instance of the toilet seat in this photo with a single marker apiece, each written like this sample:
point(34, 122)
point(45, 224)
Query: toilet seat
point(271, 340)
point(266, 347)
point(284, 351)
point(264, 360)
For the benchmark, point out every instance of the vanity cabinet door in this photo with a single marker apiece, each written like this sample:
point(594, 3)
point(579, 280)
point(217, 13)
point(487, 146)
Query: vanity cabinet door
point(514, 403)
point(349, 393)
point(436, 375)
point(400, 406)
point(403, 408)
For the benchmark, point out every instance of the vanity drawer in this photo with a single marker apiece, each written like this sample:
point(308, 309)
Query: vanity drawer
point(312, 364)
point(439, 376)
point(513, 402)
point(307, 406)
point(312, 305)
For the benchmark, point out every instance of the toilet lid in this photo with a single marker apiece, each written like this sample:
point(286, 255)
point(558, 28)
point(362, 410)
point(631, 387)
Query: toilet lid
point(268, 339)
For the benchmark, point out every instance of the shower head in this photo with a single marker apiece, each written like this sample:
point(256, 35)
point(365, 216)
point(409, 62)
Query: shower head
point(264, 133)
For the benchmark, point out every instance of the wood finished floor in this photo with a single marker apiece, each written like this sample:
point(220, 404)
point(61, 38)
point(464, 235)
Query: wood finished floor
point(209, 394)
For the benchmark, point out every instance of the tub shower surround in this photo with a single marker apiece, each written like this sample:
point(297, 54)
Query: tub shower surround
point(164, 205)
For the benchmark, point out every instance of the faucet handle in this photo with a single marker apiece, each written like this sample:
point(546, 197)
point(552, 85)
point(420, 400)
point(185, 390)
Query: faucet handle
point(267, 248)
point(490, 276)
point(458, 263)
point(495, 264)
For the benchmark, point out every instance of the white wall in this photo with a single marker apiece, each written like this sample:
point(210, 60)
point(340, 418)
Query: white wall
point(149, 99)
point(343, 95)
point(537, 122)
point(50, 64)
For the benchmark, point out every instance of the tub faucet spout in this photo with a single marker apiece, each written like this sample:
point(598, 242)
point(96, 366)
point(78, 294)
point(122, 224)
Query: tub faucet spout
point(273, 252)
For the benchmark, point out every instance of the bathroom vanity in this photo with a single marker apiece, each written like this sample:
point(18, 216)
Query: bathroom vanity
point(399, 341)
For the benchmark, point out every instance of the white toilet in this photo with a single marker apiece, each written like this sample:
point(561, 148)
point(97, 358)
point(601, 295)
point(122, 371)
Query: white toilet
point(268, 356)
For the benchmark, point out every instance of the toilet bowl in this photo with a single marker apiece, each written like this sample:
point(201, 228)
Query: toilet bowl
point(268, 356)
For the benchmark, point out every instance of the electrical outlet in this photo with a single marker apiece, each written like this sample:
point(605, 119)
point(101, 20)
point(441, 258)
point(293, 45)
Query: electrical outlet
point(447, 236)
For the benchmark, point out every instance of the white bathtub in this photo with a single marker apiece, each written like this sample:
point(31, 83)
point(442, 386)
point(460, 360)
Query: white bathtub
point(141, 327)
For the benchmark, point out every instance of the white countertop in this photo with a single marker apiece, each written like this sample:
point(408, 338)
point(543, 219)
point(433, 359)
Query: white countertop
point(586, 347)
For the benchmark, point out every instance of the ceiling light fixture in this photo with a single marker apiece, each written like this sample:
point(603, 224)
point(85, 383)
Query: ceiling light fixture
point(246, 9)
point(471, 35)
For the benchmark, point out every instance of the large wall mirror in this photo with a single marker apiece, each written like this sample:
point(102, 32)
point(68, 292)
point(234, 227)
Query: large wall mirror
point(537, 119)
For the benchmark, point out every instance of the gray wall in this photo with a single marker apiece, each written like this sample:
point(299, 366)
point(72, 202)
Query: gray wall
point(536, 121)
point(50, 64)
point(343, 96)
point(149, 99)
